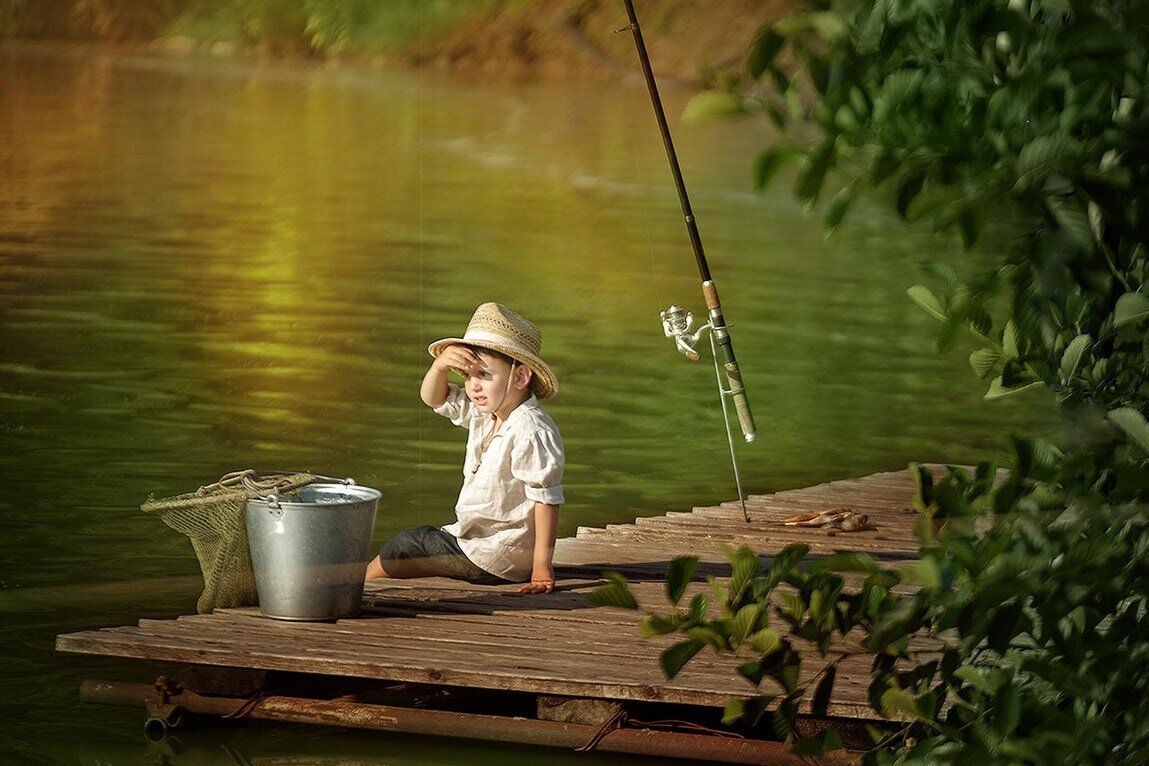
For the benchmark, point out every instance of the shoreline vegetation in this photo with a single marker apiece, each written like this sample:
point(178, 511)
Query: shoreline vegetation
point(697, 43)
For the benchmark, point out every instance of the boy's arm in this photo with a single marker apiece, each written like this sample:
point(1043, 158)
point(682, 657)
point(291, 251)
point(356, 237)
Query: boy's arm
point(542, 570)
point(433, 391)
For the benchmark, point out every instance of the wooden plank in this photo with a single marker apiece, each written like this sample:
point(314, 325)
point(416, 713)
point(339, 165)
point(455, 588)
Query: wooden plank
point(414, 665)
point(606, 683)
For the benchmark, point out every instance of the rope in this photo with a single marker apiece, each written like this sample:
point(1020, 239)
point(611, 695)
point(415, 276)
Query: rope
point(245, 709)
point(671, 725)
point(616, 721)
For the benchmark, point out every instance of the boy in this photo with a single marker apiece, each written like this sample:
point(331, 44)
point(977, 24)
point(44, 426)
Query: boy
point(507, 511)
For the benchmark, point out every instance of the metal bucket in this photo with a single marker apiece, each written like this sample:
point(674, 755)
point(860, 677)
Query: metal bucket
point(310, 549)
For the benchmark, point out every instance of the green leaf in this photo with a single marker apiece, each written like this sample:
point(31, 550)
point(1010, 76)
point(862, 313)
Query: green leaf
point(763, 52)
point(1133, 424)
point(923, 485)
point(921, 295)
point(676, 657)
point(712, 104)
point(745, 622)
point(744, 566)
point(698, 607)
point(769, 162)
point(828, 25)
point(909, 187)
point(733, 711)
point(749, 710)
point(615, 593)
point(837, 209)
point(775, 113)
point(969, 224)
point(656, 625)
point(812, 173)
point(978, 678)
point(924, 573)
point(1010, 344)
point(895, 701)
point(1001, 628)
point(678, 576)
point(984, 361)
point(752, 671)
point(710, 636)
point(784, 563)
point(998, 391)
point(1131, 308)
point(1045, 153)
point(766, 641)
point(1077, 348)
point(1034, 454)
point(823, 690)
point(1071, 216)
point(1007, 709)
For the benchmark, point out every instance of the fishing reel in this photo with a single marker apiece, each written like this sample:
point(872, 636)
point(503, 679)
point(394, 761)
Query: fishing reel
point(677, 323)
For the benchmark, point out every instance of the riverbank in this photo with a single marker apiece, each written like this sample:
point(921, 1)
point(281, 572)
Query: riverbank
point(580, 39)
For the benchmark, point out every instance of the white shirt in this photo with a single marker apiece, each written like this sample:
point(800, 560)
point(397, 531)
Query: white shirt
point(522, 465)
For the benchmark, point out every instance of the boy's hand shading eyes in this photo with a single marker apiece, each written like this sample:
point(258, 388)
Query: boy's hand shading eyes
point(460, 359)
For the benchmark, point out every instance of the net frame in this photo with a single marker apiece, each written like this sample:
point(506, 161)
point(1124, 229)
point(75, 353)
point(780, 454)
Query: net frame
point(212, 517)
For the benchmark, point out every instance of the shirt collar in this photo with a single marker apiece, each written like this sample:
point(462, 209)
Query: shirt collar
point(530, 403)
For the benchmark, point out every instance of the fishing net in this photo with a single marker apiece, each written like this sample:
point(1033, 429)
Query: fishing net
point(213, 517)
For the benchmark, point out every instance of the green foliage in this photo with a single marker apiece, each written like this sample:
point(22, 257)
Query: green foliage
point(102, 19)
point(328, 25)
point(1036, 114)
point(1032, 115)
point(283, 25)
point(1044, 616)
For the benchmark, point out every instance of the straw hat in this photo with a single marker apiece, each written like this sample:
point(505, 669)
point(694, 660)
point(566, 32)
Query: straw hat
point(496, 327)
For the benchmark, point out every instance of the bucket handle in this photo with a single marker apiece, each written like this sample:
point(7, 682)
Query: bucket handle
point(273, 506)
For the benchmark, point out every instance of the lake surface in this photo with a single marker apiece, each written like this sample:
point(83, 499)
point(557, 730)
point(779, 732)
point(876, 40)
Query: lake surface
point(208, 265)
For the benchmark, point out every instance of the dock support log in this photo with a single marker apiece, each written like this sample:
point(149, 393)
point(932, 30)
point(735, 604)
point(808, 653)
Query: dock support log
point(358, 715)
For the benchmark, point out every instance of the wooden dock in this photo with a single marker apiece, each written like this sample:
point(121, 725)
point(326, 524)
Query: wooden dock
point(550, 649)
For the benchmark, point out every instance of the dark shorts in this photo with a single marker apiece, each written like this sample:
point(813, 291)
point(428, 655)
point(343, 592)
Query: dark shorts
point(430, 552)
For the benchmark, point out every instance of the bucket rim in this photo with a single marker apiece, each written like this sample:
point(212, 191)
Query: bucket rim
point(360, 495)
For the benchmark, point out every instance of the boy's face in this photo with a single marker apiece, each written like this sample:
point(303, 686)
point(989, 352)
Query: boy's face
point(498, 388)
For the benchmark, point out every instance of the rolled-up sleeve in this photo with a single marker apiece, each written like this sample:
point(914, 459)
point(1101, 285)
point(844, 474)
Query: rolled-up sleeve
point(457, 407)
point(537, 461)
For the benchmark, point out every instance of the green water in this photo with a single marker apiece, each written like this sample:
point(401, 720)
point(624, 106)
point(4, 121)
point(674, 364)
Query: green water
point(209, 265)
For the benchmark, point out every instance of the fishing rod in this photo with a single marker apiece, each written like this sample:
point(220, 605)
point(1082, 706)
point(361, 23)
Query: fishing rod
point(677, 322)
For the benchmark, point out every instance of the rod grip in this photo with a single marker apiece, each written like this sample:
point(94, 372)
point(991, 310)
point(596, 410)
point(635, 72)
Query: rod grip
point(729, 361)
point(734, 381)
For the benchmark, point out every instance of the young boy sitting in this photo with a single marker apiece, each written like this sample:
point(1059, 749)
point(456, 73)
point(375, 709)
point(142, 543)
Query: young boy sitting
point(508, 508)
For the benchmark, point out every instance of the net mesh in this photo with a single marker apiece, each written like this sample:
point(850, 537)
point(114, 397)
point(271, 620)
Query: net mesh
point(213, 518)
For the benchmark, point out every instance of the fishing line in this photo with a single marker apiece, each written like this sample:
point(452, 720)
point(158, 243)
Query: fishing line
point(654, 276)
point(677, 322)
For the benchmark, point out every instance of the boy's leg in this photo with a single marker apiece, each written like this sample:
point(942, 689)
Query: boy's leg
point(375, 570)
point(426, 552)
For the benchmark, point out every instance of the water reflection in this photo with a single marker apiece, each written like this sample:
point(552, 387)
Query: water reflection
point(209, 265)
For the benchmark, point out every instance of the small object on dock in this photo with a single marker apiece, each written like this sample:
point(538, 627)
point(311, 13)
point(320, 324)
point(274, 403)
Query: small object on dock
point(844, 519)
